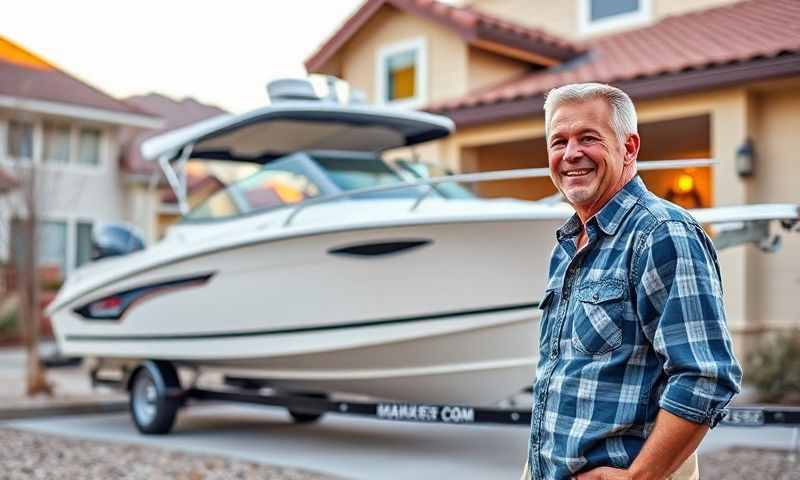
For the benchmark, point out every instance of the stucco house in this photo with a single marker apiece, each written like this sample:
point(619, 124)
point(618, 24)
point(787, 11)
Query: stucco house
point(711, 79)
point(68, 133)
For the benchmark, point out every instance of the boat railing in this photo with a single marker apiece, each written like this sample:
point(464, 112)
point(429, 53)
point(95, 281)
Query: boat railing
point(430, 183)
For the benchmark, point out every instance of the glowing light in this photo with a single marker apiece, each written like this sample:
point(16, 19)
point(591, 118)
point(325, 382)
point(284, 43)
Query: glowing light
point(684, 183)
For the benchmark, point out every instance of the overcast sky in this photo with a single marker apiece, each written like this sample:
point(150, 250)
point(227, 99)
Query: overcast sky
point(220, 52)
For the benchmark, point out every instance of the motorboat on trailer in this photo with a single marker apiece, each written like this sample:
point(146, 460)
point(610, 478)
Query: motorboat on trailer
point(329, 269)
point(323, 271)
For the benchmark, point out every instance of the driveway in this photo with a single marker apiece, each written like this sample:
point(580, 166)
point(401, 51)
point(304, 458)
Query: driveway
point(352, 447)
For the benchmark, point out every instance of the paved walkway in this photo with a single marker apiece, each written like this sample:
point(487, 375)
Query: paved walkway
point(72, 390)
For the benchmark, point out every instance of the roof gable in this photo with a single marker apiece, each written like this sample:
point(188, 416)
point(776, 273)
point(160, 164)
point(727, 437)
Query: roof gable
point(24, 74)
point(475, 28)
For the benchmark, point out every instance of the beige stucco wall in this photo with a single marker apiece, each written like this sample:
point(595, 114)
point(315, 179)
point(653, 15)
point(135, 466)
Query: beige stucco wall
point(775, 279)
point(486, 68)
point(446, 53)
point(562, 18)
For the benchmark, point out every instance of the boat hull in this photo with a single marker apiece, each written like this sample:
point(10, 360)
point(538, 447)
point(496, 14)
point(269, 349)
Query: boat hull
point(449, 319)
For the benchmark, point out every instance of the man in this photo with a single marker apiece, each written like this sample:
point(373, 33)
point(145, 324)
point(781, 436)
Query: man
point(636, 363)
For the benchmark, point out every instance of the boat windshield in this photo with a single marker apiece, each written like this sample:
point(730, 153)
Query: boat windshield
point(298, 177)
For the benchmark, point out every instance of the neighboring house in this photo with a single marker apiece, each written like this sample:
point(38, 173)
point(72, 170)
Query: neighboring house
point(176, 114)
point(711, 79)
point(67, 132)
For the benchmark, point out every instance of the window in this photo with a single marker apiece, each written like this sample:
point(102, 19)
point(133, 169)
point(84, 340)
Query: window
point(56, 143)
point(20, 140)
point(401, 73)
point(53, 244)
point(600, 15)
point(83, 243)
point(89, 146)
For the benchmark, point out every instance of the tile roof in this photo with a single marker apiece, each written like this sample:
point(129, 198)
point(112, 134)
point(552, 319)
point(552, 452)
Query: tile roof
point(176, 114)
point(748, 31)
point(474, 26)
point(24, 74)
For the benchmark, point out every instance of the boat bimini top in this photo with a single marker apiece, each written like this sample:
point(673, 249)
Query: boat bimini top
point(297, 120)
point(298, 123)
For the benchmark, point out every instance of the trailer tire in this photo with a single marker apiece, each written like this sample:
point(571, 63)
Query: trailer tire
point(152, 399)
point(307, 417)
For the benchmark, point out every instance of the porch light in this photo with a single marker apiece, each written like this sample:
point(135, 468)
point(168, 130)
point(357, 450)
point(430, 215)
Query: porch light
point(684, 184)
point(745, 159)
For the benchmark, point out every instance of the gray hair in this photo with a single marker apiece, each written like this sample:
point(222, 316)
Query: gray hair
point(623, 113)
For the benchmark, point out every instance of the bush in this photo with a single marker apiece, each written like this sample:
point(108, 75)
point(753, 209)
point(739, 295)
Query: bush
point(774, 368)
point(9, 325)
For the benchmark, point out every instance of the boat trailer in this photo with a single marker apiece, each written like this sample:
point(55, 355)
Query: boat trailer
point(156, 396)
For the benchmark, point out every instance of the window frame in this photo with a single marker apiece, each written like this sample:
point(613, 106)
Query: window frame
point(38, 146)
point(631, 19)
point(419, 45)
point(6, 147)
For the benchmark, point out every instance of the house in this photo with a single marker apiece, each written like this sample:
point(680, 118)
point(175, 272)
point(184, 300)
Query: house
point(711, 79)
point(65, 134)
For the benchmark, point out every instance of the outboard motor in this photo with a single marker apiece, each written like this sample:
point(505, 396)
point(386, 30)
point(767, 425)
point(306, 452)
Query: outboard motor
point(113, 240)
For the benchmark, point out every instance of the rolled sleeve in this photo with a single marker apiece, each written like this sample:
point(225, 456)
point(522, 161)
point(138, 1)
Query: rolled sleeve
point(679, 303)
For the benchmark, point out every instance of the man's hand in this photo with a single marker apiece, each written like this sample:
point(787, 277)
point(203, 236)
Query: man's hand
point(604, 473)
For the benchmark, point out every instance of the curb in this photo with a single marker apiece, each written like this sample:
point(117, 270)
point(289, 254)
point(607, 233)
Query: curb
point(65, 409)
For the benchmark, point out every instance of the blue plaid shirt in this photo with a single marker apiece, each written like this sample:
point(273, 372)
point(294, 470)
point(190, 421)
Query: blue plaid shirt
point(631, 324)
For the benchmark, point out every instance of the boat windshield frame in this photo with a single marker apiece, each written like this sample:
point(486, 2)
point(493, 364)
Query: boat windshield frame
point(310, 164)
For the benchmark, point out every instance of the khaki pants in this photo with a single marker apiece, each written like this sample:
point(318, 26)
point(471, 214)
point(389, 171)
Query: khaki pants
point(688, 471)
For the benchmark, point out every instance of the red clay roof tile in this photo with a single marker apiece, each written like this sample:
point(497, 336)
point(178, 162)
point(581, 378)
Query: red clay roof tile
point(731, 34)
point(25, 75)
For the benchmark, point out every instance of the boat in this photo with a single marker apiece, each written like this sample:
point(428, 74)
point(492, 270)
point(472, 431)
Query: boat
point(292, 275)
point(329, 269)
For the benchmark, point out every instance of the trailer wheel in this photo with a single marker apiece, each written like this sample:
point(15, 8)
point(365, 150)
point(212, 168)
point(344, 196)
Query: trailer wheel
point(300, 416)
point(153, 403)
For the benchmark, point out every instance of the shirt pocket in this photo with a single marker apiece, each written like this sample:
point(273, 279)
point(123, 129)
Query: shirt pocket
point(598, 314)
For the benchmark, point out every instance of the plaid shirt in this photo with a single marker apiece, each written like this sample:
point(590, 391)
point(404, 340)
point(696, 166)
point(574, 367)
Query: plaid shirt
point(631, 324)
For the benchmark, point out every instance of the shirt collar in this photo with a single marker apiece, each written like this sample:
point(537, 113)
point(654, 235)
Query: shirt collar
point(610, 217)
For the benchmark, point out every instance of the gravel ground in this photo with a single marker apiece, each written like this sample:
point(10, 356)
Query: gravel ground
point(749, 463)
point(27, 455)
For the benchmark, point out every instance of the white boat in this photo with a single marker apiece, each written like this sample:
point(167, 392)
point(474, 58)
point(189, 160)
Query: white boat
point(319, 274)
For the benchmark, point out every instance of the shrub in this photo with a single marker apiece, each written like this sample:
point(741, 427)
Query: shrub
point(9, 324)
point(774, 368)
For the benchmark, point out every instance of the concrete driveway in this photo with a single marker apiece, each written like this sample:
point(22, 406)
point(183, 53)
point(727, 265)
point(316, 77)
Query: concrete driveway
point(352, 447)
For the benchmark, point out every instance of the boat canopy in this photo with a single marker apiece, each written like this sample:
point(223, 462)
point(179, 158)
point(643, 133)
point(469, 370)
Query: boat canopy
point(282, 128)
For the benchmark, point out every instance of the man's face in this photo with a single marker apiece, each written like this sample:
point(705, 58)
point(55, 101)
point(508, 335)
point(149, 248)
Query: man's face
point(587, 161)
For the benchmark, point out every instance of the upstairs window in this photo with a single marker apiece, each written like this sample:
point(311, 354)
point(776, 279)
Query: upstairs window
point(20, 140)
point(56, 143)
point(603, 15)
point(401, 73)
point(89, 146)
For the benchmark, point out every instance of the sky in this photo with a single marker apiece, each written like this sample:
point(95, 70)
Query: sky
point(219, 52)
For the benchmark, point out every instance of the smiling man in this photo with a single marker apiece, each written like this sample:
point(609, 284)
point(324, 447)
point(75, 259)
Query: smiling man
point(636, 362)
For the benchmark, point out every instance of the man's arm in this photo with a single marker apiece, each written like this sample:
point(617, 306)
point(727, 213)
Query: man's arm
point(672, 442)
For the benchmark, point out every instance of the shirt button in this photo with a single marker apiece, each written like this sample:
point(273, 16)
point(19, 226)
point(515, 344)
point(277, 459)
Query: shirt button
point(553, 355)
